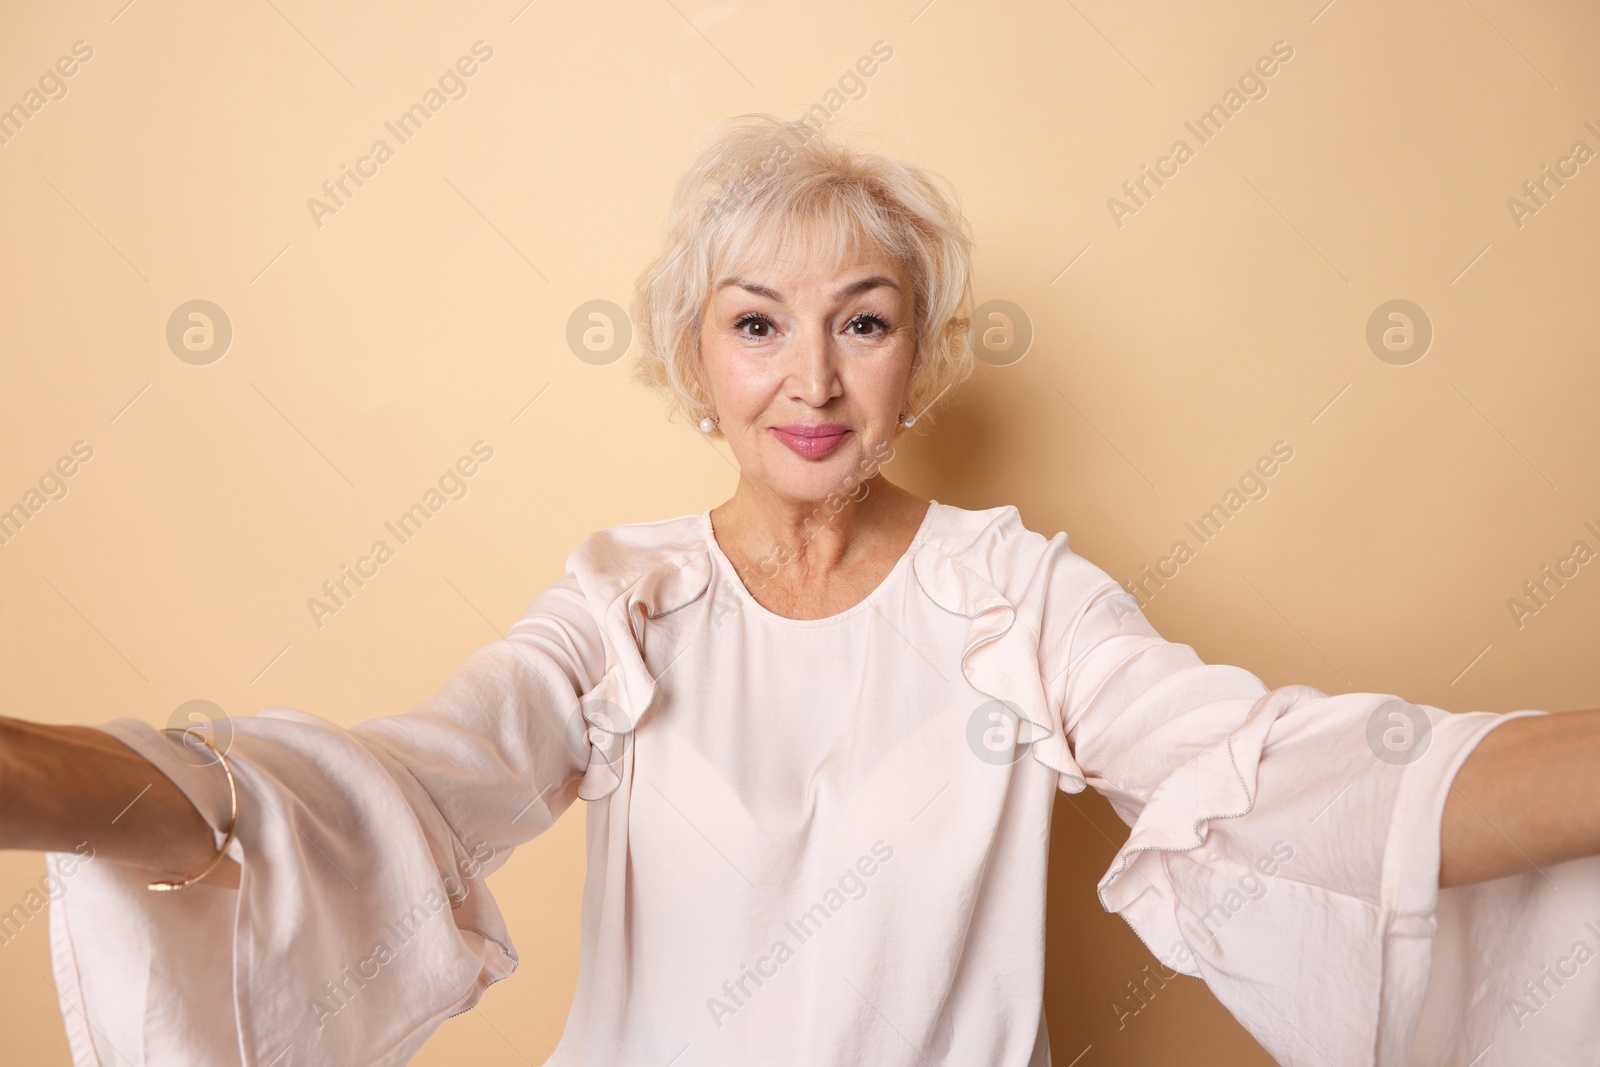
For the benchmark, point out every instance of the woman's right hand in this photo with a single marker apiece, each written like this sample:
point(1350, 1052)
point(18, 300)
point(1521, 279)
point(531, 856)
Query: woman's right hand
point(62, 787)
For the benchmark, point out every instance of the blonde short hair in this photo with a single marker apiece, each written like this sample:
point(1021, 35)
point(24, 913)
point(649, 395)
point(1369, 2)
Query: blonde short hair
point(754, 184)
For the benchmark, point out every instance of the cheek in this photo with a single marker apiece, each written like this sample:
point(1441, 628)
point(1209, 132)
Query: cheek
point(875, 390)
point(884, 380)
point(736, 380)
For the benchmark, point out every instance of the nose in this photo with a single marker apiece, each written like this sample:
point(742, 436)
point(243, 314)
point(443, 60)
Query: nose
point(814, 377)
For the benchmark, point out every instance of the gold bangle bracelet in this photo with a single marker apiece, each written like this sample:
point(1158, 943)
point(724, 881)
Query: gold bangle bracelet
point(233, 823)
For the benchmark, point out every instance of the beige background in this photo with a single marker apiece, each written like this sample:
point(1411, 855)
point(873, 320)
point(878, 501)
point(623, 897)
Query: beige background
point(368, 353)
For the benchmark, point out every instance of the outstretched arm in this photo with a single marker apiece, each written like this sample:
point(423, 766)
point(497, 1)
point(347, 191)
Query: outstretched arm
point(1527, 796)
point(61, 786)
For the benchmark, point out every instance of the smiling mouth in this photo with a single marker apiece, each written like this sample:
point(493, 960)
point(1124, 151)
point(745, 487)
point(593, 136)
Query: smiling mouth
point(811, 442)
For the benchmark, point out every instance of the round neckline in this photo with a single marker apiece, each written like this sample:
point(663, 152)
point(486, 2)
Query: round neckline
point(866, 602)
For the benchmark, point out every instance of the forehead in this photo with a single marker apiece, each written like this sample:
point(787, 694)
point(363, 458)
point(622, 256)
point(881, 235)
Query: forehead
point(811, 248)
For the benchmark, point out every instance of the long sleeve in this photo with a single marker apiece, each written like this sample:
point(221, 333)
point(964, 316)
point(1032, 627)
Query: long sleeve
point(362, 920)
point(1285, 844)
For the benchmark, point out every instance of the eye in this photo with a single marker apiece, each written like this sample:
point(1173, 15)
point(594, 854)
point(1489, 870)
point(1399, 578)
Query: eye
point(867, 325)
point(754, 325)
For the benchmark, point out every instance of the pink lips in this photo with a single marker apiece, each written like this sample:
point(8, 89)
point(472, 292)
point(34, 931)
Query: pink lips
point(811, 441)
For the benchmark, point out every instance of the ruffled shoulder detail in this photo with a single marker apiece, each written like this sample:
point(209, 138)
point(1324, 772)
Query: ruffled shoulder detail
point(636, 573)
point(631, 574)
point(962, 564)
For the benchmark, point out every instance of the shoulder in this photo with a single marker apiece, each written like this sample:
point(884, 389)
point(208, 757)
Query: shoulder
point(994, 542)
point(617, 552)
point(999, 528)
point(996, 546)
point(614, 558)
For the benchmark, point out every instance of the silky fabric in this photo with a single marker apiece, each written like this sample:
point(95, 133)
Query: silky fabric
point(824, 842)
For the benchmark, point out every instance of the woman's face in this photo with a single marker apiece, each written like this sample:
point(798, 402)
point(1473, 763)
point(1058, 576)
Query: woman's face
point(807, 368)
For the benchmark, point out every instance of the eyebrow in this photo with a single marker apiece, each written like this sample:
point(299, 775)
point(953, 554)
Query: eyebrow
point(848, 291)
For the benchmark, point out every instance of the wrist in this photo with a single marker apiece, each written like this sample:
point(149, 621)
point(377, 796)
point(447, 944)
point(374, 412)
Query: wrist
point(8, 805)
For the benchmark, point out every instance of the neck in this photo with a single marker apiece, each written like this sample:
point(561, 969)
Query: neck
point(757, 526)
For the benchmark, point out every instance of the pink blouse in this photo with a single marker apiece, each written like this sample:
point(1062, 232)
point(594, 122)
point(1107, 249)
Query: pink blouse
point(824, 842)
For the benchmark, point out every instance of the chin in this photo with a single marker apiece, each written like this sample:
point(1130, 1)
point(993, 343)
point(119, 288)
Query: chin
point(814, 479)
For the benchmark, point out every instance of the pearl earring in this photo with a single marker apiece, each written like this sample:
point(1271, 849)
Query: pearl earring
point(708, 424)
point(907, 420)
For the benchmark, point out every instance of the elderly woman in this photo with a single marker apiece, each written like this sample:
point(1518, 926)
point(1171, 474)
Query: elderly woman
point(820, 728)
